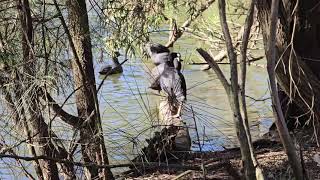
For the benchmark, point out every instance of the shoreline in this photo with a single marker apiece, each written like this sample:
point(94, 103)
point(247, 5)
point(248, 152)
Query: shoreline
point(226, 164)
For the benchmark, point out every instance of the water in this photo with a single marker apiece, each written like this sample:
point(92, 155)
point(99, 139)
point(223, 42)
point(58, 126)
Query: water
point(129, 108)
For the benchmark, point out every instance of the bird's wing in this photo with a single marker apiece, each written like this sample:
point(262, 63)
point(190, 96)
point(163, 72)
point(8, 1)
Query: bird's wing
point(160, 58)
point(155, 85)
point(156, 71)
point(166, 79)
point(105, 69)
point(171, 84)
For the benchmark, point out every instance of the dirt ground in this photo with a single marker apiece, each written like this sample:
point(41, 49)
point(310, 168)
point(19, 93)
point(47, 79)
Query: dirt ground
point(225, 165)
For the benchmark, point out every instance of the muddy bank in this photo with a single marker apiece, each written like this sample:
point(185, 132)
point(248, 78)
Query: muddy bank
point(227, 164)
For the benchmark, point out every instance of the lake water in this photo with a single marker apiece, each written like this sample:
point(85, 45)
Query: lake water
point(129, 108)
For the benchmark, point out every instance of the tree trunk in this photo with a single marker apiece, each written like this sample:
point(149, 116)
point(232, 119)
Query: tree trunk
point(29, 113)
point(32, 117)
point(277, 111)
point(233, 96)
point(243, 73)
point(297, 46)
point(91, 137)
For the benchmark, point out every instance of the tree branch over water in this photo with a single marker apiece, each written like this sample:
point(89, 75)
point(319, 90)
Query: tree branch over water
point(80, 164)
point(206, 56)
point(70, 119)
point(179, 32)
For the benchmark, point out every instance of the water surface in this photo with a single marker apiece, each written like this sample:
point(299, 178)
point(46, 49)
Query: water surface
point(129, 108)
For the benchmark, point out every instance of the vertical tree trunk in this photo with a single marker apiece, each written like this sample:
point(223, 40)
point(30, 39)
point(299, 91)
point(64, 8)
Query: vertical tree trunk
point(91, 137)
point(29, 113)
point(280, 122)
point(32, 118)
point(297, 46)
point(233, 96)
point(243, 73)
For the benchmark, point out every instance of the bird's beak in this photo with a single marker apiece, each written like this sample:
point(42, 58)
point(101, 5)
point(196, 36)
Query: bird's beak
point(180, 59)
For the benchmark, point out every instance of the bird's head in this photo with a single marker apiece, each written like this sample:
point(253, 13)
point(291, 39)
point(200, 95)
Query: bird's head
point(116, 54)
point(176, 56)
point(176, 60)
point(179, 57)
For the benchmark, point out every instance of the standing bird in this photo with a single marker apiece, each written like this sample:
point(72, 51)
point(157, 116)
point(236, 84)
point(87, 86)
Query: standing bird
point(173, 83)
point(116, 68)
point(168, 76)
point(174, 57)
point(174, 61)
point(159, 54)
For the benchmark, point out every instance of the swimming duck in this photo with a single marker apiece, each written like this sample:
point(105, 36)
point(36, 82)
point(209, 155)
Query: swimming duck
point(116, 68)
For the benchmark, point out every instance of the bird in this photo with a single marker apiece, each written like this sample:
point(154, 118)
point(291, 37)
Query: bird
point(174, 59)
point(173, 83)
point(159, 54)
point(169, 79)
point(116, 68)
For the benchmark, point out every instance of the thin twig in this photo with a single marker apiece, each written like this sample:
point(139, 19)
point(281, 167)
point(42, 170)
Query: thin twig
point(80, 164)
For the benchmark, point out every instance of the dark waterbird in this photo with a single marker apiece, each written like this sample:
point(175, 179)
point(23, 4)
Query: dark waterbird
point(172, 82)
point(175, 57)
point(116, 68)
point(174, 60)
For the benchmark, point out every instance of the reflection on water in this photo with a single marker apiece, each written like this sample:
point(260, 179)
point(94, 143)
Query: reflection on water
point(129, 108)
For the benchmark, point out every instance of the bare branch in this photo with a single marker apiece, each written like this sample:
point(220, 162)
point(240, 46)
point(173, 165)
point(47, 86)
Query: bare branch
point(80, 164)
point(206, 56)
point(249, 61)
point(188, 22)
point(233, 96)
point(70, 119)
point(243, 66)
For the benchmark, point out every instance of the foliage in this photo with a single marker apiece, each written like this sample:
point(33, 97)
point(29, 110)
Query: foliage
point(130, 23)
